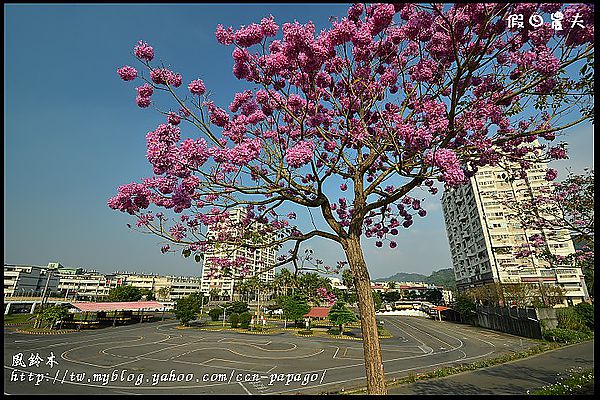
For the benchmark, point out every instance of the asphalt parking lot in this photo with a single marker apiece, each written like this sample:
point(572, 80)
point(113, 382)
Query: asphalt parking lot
point(158, 358)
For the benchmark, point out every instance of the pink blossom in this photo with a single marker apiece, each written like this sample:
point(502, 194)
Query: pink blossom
point(224, 36)
point(299, 154)
point(173, 118)
point(382, 17)
point(145, 90)
point(424, 70)
point(268, 26)
point(142, 101)
point(248, 36)
point(355, 11)
point(245, 152)
point(144, 51)
point(546, 62)
point(130, 198)
point(446, 159)
point(164, 76)
point(178, 231)
point(551, 174)
point(557, 153)
point(197, 87)
point(127, 73)
point(217, 115)
point(240, 99)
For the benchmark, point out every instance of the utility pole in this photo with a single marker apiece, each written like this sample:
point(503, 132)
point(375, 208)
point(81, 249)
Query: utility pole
point(38, 320)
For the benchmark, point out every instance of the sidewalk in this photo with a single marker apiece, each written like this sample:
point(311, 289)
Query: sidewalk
point(513, 378)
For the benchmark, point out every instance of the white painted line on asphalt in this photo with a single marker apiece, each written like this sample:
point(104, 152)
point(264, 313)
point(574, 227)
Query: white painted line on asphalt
point(338, 349)
point(271, 369)
point(243, 387)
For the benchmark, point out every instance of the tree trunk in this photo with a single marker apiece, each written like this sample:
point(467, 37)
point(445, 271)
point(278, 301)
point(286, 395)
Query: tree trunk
point(368, 323)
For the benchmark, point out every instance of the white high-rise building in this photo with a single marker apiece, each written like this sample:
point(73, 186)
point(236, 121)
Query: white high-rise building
point(258, 262)
point(484, 235)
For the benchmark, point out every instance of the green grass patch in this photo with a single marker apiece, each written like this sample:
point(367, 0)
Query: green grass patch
point(567, 336)
point(12, 319)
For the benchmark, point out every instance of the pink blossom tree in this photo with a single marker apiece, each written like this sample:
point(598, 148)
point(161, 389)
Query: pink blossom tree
point(564, 206)
point(387, 100)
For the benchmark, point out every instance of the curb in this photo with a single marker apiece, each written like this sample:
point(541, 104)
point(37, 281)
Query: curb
point(62, 332)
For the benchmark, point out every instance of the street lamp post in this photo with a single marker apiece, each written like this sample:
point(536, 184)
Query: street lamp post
point(224, 308)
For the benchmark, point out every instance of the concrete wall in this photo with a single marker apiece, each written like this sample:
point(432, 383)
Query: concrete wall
point(525, 322)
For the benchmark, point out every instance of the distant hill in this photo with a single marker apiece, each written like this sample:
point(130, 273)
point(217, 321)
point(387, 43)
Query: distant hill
point(443, 277)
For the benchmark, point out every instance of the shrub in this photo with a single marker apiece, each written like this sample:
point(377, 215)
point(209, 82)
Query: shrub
point(305, 332)
point(585, 312)
point(334, 330)
point(569, 319)
point(245, 319)
point(215, 313)
point(565, 335)
point(234, 319)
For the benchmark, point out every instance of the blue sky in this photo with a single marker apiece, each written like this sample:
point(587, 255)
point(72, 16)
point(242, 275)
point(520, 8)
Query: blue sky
point(73, 133)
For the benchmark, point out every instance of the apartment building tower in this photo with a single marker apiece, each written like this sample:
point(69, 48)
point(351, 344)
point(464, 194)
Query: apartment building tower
point(484, 235)
point(258, 262)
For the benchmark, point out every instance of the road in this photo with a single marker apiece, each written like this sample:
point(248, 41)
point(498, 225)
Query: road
point(513, 378)
point(158, 358)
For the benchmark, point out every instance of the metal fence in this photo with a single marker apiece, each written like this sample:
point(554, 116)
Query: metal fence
point(526, 322)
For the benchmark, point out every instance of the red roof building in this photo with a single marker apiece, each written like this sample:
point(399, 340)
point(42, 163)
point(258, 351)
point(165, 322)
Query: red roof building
point(318, 312)
point(120, 306)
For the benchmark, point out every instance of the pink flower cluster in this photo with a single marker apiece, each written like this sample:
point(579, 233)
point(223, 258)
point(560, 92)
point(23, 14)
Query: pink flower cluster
point(447, 161)
point(130, 198)
point(557, 153)
point(143, 95)
point(197, 87)
point(300, 154)
point(163, 76)
point(143, 51)
point(177, 231)
point(330, 298)
point(551, 174)
point(127, 73)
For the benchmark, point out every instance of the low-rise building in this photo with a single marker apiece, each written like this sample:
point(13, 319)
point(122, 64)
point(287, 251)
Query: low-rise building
point(29, 280)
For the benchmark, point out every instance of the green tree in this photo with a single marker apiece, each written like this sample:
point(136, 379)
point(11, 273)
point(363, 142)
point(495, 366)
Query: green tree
point(164, 292)
point(186, 308)
point(237, 307)
point(245, 319)
point(309, 283)
point(125, 293)
point(433, 296)
point(294, 307)
point(286, 281)
point(585, 312)
point(215, 313)
point(234, 319)
point(377, 300)
point(465, 306)
point(54, 313)
point(147, 294)
point(340, 315)
point(391, 297)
